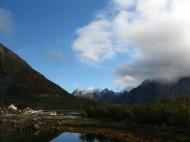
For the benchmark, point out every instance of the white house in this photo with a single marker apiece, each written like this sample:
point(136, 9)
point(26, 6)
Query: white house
point(12, 107)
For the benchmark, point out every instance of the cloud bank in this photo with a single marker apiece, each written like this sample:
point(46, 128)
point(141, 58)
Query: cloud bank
point(158, 30)
point(6, 23)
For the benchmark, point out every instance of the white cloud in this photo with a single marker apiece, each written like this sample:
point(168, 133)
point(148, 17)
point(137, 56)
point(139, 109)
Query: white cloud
point(96, 42)
point(126, 81)
point(158, 30)
point(6, 23)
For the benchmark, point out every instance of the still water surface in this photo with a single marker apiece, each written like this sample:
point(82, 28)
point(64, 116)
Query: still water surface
point(77, 137)
point(44, 137)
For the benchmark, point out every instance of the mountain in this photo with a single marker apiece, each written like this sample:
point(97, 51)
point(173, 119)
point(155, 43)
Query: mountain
point(83, 94)
point(19, 73)
point(181, 88)
point(108, 95)
point(104, 95)
point(150, 91)
point(22, 85)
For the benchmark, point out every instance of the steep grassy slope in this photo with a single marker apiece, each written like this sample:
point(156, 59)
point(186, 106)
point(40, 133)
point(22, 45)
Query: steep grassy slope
point(22, 85)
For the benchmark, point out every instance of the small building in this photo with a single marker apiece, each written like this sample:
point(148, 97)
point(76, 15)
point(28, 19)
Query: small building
point(12, 107)
point(28, 110)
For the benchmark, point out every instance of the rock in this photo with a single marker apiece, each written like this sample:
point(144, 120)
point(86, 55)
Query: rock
point(36, 126)
point(59, 123)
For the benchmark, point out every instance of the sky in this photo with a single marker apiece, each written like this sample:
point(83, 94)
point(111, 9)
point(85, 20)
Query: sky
point(99, 43)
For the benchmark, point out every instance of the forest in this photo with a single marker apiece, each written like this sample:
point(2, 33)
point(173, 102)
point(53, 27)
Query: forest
point(172, 112)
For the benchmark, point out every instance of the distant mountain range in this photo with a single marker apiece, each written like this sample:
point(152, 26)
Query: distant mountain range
point(146, 92)
point(104, 95)
point(22, 85)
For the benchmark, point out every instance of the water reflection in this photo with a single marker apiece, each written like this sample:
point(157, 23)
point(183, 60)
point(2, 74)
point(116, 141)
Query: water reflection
point(77, 137)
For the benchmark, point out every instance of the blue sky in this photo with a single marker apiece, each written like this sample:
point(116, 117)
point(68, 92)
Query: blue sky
point(41, 28)
point(99, 43)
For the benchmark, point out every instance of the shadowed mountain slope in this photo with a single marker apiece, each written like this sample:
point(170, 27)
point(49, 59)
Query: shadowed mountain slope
point(22, 85)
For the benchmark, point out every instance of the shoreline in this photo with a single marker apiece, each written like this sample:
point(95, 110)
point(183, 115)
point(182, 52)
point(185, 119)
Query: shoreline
point(116, 130)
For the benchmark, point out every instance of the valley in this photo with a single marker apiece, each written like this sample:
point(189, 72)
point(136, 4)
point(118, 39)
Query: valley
point(153, 111)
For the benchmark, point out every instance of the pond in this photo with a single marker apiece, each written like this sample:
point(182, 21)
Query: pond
point(77, 137)
point(47, 137)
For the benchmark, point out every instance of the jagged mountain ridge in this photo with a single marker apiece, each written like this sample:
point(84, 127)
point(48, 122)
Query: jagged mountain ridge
point(147, 91)
point(104, 95)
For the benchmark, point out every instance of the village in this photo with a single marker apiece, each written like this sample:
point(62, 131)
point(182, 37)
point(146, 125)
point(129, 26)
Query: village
point(12, 109)
point(28, 119)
